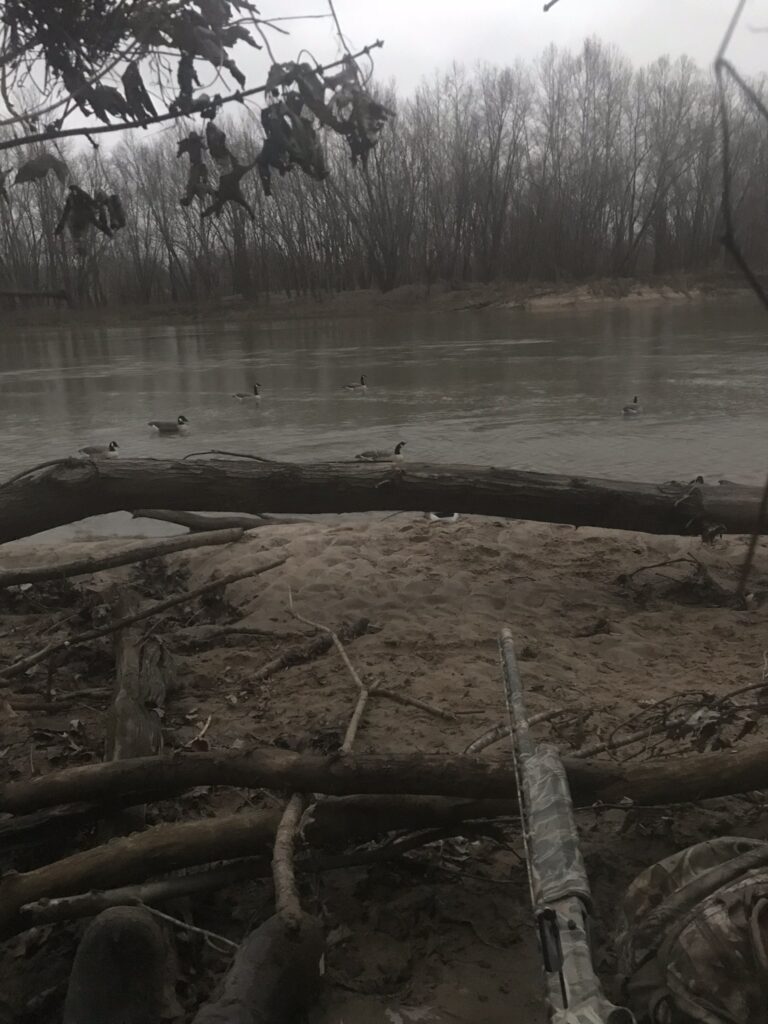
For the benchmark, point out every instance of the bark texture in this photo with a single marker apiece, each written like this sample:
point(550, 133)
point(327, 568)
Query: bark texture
point(75, 489)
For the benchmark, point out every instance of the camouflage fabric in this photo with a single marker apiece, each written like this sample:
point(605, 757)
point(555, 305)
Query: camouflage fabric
point(560, 893)
point(556, 866)
point(560, 887)
point(693, 945)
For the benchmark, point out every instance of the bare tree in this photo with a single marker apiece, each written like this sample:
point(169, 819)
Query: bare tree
point(573, 166)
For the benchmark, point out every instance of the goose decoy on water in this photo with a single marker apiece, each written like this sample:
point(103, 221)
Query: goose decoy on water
point(177, 426)
point(362, 386)
point(100, 451)
point(633, 409)
point(242, 395)
point(381, 455)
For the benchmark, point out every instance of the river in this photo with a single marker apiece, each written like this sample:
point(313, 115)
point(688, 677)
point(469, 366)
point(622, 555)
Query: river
point(528, 390)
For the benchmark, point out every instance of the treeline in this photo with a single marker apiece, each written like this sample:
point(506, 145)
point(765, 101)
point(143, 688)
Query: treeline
point(563, 168)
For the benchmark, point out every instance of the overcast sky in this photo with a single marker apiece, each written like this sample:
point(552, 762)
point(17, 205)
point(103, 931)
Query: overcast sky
point(424, 35)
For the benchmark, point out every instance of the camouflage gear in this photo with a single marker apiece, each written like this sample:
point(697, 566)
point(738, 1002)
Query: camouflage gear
point(557, 868)
point(560, 893)
point(694, 937)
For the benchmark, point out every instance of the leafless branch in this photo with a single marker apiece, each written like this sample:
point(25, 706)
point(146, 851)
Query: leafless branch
point(501, 731)
point(234, 455)
point(154, 609)
point(339, 33)
point(215, 941)
point(70, 461)
point(48, 136)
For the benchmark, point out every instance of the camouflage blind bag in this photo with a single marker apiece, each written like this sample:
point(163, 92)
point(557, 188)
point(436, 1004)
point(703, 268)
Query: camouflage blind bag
point(693, 942)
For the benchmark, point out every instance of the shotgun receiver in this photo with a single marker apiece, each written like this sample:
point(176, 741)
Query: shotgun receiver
point(559, 888)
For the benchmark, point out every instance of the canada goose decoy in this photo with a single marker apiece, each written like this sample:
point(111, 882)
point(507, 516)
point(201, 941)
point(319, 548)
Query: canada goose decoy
point(443, 517)
point(100, 451)
point(362, 386)
point(177, 426)
point(242, 395)
point(633, 409)
point(381, 455)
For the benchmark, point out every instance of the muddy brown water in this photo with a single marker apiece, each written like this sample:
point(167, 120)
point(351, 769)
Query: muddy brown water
point(528, 390)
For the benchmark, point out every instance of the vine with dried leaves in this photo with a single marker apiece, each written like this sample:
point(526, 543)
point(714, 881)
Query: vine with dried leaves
point(121, 62)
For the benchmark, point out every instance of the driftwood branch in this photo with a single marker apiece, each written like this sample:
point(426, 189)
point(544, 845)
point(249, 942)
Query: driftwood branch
point(67, 492)
point(89, 904)
point(46, 827)
point(169, 847)
point(675, 780)
point(287, 903)
point(135, 553)
point(154, 609)
point(329, 638)
point(233, 455)
point(197, 523)
point(192, 638)
point(499, 732)
point(68, 460)
point(220, 876)
point(133, 858)
point(302, 653)
point(363, 691)
point(414, 702)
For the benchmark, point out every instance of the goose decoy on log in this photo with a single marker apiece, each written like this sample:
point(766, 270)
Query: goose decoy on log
point(177, 426)
point(382, 455)
point(100, 451)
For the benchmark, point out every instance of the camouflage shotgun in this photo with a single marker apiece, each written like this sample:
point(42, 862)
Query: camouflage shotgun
point(560, 894)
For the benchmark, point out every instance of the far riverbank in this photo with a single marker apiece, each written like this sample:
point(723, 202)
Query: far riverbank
point(529, 297)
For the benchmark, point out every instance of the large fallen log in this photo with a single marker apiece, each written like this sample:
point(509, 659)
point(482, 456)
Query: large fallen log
point(676, 780)
point(74, 489)
point(144, 779)
point(126, 556)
